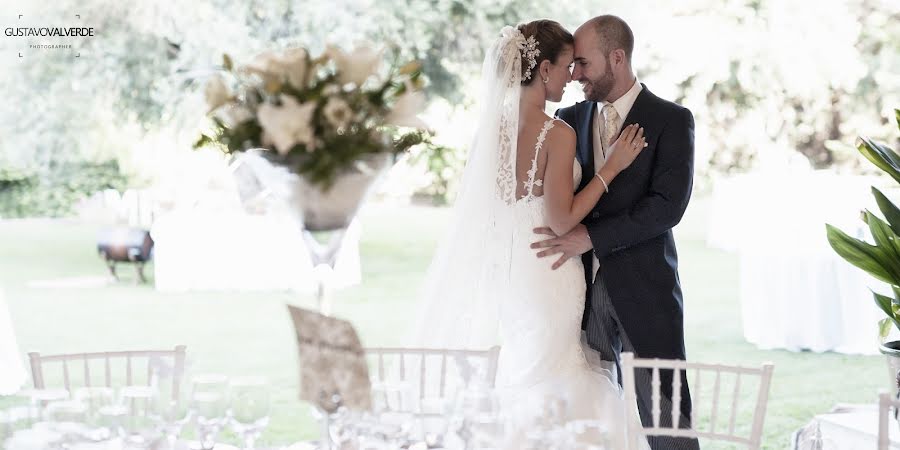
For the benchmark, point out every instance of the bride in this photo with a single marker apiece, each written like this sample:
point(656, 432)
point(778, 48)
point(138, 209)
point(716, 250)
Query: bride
point(485, 287)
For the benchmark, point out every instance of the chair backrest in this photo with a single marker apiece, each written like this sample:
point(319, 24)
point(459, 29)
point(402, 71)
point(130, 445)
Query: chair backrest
point(734, 375)
point(885, 402)
point(83, 363)
point(431, 372)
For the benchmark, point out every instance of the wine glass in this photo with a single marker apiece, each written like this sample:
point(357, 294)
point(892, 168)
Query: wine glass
point(209, 405)
point(249, 401)
point(476, 417)
point(432, 421)
point(173, 403)
point(143, 425)
point(548, 425)
point(95, 399)
point(14, 420)
point(40, 398)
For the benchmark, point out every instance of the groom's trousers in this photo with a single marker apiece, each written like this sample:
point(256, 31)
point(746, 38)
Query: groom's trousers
point(606, 335)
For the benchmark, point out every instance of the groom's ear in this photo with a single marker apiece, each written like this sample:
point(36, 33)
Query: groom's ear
point(618, 56)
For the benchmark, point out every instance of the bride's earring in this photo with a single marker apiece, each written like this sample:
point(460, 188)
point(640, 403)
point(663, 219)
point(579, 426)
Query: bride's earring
point(546, 80)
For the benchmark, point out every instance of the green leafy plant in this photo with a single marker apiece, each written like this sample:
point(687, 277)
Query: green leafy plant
point(881, 260)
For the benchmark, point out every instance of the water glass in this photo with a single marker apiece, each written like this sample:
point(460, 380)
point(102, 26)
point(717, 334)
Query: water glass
point(143, 424)
point(209, 406)
point(249, 407)
point(95, 399)
point(432, 421)
point(476, 417)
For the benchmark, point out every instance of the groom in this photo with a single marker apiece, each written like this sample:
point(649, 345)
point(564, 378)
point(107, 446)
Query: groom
point(634, 300)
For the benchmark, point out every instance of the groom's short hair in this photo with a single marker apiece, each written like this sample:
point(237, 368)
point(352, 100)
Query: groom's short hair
point(613, 34)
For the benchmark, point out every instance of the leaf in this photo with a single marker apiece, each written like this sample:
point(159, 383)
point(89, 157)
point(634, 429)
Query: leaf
point(884, 303)
point(883, 157)
point(897, 116)
point(888, 209)
point(887, 241)
point(884, 327)
point(226, 62)
point(860, 254)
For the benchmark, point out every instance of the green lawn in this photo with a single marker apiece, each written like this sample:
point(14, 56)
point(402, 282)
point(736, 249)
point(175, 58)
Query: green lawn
point(245, 333)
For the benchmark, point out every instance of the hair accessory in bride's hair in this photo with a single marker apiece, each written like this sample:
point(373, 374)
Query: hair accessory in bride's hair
point(530, 53)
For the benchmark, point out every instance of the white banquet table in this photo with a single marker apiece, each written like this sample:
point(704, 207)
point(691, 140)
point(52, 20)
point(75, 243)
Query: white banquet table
point(12, 371)
point(848, 427)
point(233, 251)
point(795, 292)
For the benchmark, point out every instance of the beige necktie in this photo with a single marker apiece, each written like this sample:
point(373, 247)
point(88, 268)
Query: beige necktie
point(610, 127)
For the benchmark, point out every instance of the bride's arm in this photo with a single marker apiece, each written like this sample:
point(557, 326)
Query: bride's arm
point(564, 208)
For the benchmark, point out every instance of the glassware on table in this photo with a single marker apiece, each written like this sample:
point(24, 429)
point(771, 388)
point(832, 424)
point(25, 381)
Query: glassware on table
point(142, 424)
point(39, 398)
point(814, 439)
point(66, 418)
point(14, 420)
point(173, 404)
point(392, 396)
point(477, 419)
point(588, 435)
point(95, 399)
point(249, 407)
point(346, 428)
point(547, 425)
point(396, 428)
point(209, 406)
point(432, 422)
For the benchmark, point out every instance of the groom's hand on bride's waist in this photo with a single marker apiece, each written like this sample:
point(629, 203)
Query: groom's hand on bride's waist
point(572, 244)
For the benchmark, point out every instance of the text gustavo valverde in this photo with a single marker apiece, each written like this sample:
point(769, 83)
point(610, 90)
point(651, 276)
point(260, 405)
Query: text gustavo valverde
point(48, 31)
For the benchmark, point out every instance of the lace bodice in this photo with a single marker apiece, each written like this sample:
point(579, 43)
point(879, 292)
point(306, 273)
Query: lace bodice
point(531, 180)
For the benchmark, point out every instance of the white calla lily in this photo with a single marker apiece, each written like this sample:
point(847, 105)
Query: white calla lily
point(289, 124)
point(357, 66)
point(405, 112)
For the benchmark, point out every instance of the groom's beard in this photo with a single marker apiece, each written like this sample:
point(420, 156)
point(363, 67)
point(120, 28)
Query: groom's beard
point(597, 90)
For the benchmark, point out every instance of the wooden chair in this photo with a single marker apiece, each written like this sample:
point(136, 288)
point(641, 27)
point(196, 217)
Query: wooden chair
point(83, 363)
point(764, 374)
point(885, 402)
point(431, 373)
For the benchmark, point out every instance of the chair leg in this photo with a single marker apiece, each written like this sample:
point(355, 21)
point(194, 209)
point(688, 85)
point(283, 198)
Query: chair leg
point(111, 265)
point(139, 268)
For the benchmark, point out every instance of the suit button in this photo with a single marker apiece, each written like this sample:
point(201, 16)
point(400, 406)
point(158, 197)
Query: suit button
point(595, 215)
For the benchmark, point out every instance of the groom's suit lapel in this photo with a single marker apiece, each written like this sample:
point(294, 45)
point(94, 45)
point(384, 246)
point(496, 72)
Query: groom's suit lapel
point(641, 111)
point(585, 146)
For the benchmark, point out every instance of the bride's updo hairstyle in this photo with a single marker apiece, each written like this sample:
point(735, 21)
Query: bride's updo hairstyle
point(551, 39)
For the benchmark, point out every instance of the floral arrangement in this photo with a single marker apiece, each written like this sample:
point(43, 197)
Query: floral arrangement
point(316, 116)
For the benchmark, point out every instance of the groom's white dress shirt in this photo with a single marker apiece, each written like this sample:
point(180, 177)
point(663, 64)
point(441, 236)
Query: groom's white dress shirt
point(622, 107)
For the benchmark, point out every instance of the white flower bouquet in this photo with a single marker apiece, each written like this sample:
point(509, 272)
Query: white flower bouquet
point(316, 116)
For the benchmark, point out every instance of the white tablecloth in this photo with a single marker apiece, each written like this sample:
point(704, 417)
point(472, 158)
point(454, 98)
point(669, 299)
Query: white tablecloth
point(795, 292)
point(847, 427)
point(216, 251)
point(12, 371)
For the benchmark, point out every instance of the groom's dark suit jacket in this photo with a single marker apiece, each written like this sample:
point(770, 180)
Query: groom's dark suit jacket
point(631, 226)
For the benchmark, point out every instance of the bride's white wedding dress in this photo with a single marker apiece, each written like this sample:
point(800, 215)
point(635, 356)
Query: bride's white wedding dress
point(486, 286)
point(543, 354)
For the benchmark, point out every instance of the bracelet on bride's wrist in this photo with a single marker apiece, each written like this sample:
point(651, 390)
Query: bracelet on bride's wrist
point(605, 185)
